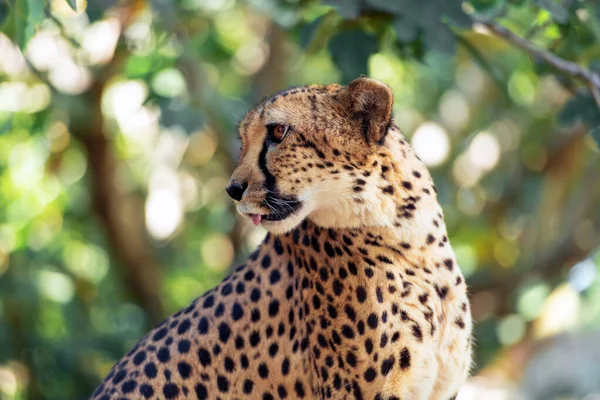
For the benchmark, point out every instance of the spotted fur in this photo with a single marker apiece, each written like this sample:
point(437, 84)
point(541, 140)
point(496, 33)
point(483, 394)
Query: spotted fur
point(354, 294)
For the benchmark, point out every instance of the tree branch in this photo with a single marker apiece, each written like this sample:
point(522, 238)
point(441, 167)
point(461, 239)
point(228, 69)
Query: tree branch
point(591, 79)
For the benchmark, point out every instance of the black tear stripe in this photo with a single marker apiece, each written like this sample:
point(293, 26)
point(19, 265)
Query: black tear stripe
point(291, 203)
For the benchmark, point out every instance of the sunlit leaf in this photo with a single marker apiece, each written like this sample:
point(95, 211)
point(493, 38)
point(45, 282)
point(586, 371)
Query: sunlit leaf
point(555, 7)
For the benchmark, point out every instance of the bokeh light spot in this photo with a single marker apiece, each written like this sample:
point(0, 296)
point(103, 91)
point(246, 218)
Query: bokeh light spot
point(431, 143)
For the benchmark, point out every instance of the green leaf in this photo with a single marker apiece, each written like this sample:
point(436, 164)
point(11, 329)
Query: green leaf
point(428, 18)
point(558, 11)
point(95, 9)
point(488, 9)
point(350, 51)
point(23, 19)
point(406, 28)
point(314, 35)
point(596, 136)
point(348, 9)
point(174, 112)
point(582, 108)
point(394, 7)
point(72, 4)
point(4, 12)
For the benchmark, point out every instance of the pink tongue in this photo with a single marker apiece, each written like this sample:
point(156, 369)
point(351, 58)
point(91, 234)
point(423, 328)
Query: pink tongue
point(255, 219)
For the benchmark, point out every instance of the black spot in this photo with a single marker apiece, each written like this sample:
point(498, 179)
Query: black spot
point(285, 366)
point(405, 358)
point(201, 391)
point(150, 370)
point(273, 308)
point(254, 338)
point(147, 391)
point(449, 264)
point(220, 310)
point(369, 346)
point(227, 289)
point(170, 390)
point(222, 384)
point(255, 315)
point(184, 369)
point(255, 295)
point(229, 364)
point(315, 244)
point(224, 332)
point(316, 302)
point(352, 268)
point(379, 295)
point(388, 189)
point(387, 365)
point(163, 355)
point(204, 357)
point(361, 294)
point(275, 276)
point(129, 386)
point(244, 361)
point(277, 246)
point(351, 359)
point(237, 312)
point(139, 357)
point(441, 292)
point(407, 185)
point(350, 312)
point(263, 371)
point(416, 330)
point(347, 331)
point(282, 392)
point(203, 326)
point(266, 261)
point(384, 340)
point(372, 320)
point(299, 388)
point(249, 275)
point(273, 349)
point(370, 374)
point(248, 386)
point(329, 250)
point(158, 335)
point(184, 326)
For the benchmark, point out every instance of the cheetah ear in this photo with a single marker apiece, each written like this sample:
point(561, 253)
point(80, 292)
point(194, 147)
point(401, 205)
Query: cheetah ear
point(371, 102)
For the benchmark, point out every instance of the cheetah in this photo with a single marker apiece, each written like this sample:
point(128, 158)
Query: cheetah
point(354, 293)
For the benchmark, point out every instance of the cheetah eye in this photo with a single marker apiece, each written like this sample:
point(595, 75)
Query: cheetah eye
point(277, 132)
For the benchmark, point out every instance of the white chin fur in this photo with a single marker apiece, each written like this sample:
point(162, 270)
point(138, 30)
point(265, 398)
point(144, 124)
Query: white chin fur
point(284, 226)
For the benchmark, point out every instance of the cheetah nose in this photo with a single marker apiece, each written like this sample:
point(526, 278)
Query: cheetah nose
point(236, 189)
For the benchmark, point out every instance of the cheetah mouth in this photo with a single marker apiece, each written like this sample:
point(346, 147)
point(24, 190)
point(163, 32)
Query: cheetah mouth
point(281, 208)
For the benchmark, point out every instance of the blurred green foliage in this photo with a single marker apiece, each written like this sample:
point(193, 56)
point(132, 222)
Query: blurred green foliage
point(117, 135)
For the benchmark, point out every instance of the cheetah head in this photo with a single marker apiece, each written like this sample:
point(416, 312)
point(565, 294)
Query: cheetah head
point(307, 152)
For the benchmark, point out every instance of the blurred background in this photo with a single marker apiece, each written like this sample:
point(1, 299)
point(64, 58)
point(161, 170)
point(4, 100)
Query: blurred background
point(117, 136)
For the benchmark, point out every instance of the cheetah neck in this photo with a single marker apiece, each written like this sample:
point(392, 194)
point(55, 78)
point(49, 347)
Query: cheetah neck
point(392, 193)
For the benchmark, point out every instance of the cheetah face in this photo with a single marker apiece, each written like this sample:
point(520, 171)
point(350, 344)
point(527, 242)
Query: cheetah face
point(302, 151)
